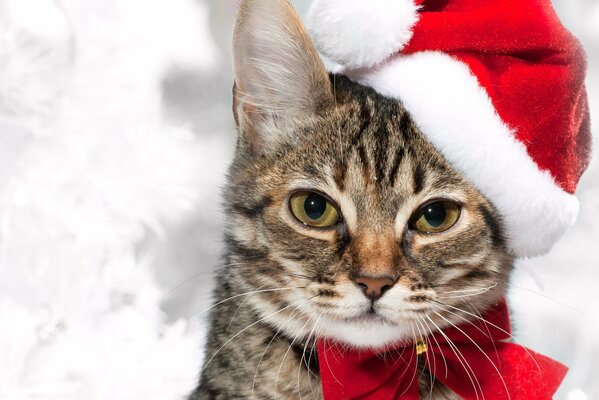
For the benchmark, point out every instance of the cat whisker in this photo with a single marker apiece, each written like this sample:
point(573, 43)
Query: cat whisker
point(480, 349)
point(438, 346)
point(580, 312)
point(238, 308)
point(400, 354)
point(437, 343)
point(493, 325)
point(268, 346)
point(464, 363)
point(261, 358)
point(303, 362)
point(462, 296)
point(468, 294)
point(424, 335)
point(245, 294)
point(486, 288)
point(439, 306)
point(245, 329)
point(286, 354)
point(195, 276)
point(313, 334)
point(219, 267)
point(326, 359)
point(472, 307)
point(420, 336)
point(409, 362)
point(488, 332)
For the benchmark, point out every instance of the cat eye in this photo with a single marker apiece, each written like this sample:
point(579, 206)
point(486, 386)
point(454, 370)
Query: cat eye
point(313, 209)
point(435, 217)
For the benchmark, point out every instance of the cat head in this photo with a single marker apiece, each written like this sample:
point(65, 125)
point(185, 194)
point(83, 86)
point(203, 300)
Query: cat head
point(342, 218)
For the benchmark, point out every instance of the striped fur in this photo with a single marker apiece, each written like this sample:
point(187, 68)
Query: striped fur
point(285, 285)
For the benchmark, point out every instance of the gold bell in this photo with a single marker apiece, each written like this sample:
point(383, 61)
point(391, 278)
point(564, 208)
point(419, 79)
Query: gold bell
point(421, 346)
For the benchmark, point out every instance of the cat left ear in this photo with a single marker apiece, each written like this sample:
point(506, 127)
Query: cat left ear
point(279, 77)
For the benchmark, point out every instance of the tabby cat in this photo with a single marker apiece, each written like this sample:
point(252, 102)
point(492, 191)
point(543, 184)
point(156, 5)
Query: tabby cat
point(343, 222)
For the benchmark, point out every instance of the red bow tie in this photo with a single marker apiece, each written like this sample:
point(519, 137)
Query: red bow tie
point(473, 360)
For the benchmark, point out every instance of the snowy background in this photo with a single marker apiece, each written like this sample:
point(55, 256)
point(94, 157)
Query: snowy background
point(115, 134)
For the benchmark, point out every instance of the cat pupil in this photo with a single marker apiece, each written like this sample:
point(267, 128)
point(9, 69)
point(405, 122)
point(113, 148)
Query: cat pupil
point(435, 214)
point(315, 206)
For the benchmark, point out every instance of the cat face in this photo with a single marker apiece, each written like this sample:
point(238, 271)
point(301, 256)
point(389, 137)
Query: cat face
point(342, 218)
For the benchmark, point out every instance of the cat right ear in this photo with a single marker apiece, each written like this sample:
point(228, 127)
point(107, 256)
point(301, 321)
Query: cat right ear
point(279, 77)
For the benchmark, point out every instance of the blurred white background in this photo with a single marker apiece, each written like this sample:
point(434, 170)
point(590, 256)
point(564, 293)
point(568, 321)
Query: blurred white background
point(115, 135)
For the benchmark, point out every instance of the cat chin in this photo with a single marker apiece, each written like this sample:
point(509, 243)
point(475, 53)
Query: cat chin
point(369, 333)
point(364, 332)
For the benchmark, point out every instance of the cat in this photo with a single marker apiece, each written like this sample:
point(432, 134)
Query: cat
point(343, 222)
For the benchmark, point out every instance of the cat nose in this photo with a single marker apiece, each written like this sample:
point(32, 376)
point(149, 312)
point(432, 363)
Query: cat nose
point(374, 287)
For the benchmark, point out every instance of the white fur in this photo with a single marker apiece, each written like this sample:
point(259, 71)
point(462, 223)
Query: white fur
point(333, 323)
point(459, 119)
point(344, 320)
point(359, 33)
point(370, 334)
point(391, 326)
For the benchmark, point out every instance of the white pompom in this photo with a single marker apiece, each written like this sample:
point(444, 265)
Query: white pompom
point(359, 33)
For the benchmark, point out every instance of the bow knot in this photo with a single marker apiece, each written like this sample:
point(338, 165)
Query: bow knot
point(474, 360)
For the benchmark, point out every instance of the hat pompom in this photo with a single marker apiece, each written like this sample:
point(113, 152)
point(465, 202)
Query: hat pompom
point(359, 33)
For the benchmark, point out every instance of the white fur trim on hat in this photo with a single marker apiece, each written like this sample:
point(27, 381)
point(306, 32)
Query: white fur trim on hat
point(360, 33)
point(458, 117)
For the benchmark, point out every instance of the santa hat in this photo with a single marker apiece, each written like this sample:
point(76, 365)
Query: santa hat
point(497, 86)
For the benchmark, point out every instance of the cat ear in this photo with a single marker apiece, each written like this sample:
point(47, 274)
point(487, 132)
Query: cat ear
point(279, 77)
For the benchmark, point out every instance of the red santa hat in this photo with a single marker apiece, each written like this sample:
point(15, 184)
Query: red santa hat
point(496, 85)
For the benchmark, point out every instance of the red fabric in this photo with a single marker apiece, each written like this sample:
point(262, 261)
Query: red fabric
point(531, 66)
point(483, 366)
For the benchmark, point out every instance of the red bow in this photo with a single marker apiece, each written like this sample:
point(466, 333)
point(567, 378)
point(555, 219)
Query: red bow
point(472, 359)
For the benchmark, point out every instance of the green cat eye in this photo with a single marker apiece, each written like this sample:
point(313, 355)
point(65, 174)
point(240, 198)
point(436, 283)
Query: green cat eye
point(435, 217)
point(313, 209)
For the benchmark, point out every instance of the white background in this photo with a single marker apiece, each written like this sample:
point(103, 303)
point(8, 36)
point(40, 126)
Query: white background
point(167, 63)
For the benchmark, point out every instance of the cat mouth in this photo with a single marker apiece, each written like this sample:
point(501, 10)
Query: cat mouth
point(370, 316)
point(375, 316)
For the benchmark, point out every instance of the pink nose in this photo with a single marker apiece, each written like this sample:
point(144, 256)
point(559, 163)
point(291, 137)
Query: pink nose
point(374, 287)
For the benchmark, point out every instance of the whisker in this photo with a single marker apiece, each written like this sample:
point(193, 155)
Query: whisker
point(569, 307)
point(459, 356)
point(306, 362)
point(260, 361)
point(409, 362)
point(498, 328)
point(468, 294)
point(420, 337)
point(243, 330)
point(470, 290)
point(237, 310)
point(329, 366)
point(424, 337)
point(438, 303)
point(472, 307)
point(285, 357)
point(219, 267)
point(195, 276)
point(480, 349)
point(268, 346)
point(400, 355)
point(245, 294)
point(437, 342)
